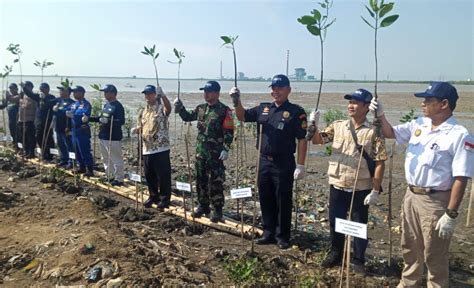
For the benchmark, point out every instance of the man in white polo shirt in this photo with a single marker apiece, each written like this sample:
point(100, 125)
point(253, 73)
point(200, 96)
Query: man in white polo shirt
point(439, 161)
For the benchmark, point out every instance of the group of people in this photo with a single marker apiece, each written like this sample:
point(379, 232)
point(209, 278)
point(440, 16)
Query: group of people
point(439, 159)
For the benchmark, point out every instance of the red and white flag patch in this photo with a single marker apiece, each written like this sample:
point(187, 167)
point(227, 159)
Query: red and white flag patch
point(469, 146)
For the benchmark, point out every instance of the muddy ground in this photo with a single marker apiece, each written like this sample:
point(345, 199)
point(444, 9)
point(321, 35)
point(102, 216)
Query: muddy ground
point(52, 235)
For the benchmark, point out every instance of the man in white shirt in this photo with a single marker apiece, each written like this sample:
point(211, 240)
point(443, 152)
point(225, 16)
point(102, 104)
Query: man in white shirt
point(439, 161)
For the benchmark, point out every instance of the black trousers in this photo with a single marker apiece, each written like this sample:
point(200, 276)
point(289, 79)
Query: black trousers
point(275, 184)
point(12, 122)
point(158, 175)
point(30, 139)
point(339, 204)
point(41, 134)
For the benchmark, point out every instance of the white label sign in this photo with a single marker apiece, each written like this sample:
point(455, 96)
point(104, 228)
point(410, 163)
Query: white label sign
point(241, 193)
point(351, 228)
point(183, 186)
point(72, 155)
point(54, 151)
point(38, 150)
point(20, 145)
point(135, 177)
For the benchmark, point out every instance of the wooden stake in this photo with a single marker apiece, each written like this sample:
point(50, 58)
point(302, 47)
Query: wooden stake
point(256, 188)
point(469, 207)
point(108, 152)
point(390, 173)
point(186, 140)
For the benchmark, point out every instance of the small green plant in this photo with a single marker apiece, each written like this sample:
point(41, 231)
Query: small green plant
point(66, 83)
point(317, 24)
point(309, 281)
point(408, 117)
point(229, 42)
point(97, 104)
point(43, 65)
point(16, 51)
point(332, 115)
point(154, 55)
point(328, 150)
point(128, 121)
point(242, 269)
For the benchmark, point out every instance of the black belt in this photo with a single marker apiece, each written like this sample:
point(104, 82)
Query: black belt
point(276, 157)
point(424, 190)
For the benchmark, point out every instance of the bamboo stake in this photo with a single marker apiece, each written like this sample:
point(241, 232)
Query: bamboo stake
point(186, 140)
point(109, 154)
point(390, 173)
point(469, 208)
point(256, 189)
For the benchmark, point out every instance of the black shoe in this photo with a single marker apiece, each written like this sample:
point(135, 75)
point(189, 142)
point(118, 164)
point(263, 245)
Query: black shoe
point(89, 172)
point(358, 269)
point(201, 210)
point(69, 166)
point(217, 215)
point(163, 205)
point(265, 240)
point(149, 202)
point(116, 183)
point(283, 244)
point(331, 260)
point(81, 170)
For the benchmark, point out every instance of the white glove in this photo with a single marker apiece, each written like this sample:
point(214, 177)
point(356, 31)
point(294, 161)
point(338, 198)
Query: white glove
point(104, 120)
point(234, 91)
point(135, 130)
point(42, 95)
point(376, 106)
point(224, 155)
point(69, 114)
point(372, 198)
point(159, 91)
point(56, 108)
point(445, 226)
point(299, 172)
point(85, 118)
point(314, 118)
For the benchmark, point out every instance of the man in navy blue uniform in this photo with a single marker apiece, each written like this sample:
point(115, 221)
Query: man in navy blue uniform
point(284, 125)
point(111, 144)
point(44, 117)
point(63, 126)
point(79, 112)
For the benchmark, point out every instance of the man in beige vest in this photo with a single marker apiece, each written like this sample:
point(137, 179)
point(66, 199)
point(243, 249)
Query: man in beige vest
point(343, 168)
point(26, 127)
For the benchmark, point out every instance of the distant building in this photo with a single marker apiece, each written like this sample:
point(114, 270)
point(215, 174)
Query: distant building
point(311, 77)
point(241, 76)
point(300, 74)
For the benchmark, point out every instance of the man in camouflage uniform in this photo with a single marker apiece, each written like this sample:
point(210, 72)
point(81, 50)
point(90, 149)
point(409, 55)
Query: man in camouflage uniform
point(215, 135)
point(345, 136)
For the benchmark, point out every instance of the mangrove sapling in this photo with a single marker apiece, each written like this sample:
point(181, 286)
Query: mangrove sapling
point(180, 56)
point(16, 51)
point(97, 106)
point(154, 55)
point(7, 70)
point(43, 65)
point(317, 24)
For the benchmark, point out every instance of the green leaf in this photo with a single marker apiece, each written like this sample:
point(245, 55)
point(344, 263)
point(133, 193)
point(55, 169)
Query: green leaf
point(323, 5)
point(388, 20)
point(367, 22)
point(314, 30)
point(144, 53)
point(146, 50)
point(307, 20)
point(16, 60)
point(370, 11)
point(226, 39)
point(152, 50)
point(157, 54)
point(385, 9)
point(176, 53)
point(373, 4)
point(316, 14)
point(49, 63)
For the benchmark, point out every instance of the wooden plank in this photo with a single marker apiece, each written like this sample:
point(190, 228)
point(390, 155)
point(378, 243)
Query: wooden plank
point(128, 191)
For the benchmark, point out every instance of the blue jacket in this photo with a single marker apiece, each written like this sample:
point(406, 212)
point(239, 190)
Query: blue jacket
point(80, 108)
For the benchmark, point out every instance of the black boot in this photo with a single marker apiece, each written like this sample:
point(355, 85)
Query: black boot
point(201, 210)
point(149, 202)
point(89, 172)
point(217, 215)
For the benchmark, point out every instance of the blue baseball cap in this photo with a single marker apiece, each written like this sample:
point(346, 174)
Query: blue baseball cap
point(78, 88)
point(109, 88)
point(149, 89)
point(280, 80)
point(44, 86)
point(13, 85)
point(29, 84)
point(211, 86)
point(440, 90)
point(360, 95)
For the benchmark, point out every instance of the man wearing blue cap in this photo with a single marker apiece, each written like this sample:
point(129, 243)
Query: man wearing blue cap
point(215, 135)
point(26, 125)
point(349, 139)
point(79, 112)
point(154, 128)
point(44, 117)
point(63, 126)
point(439, 161)
point(12, 101)
point(112, 110)
point(284, 124)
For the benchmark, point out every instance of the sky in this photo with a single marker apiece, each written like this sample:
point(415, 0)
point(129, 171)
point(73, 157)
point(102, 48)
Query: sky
point(432, 40)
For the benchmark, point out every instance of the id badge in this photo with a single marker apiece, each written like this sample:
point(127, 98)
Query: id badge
point(280, 126)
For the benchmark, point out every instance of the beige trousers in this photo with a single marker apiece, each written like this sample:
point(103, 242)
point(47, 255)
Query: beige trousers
point(420, 242)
